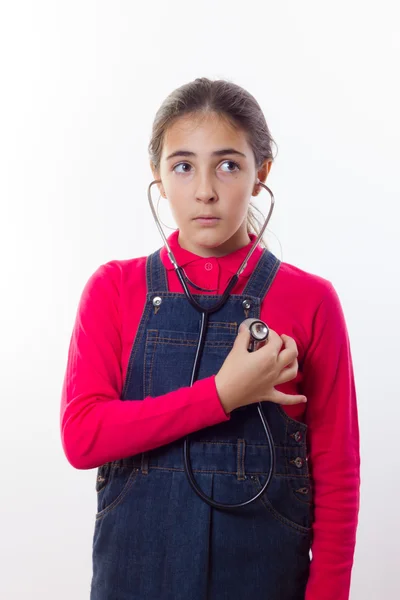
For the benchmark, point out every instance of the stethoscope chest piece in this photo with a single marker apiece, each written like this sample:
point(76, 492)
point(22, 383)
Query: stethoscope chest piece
point(259, 332)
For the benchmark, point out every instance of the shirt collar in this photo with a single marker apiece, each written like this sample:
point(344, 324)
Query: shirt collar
point(231, 262)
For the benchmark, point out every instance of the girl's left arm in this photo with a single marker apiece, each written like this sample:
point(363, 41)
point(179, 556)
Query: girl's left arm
point(334, 457)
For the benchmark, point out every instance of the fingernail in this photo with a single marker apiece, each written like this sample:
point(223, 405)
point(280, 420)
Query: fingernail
point(304, 399)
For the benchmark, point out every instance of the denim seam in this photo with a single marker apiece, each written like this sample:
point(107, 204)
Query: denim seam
point(136, 344)
point(270, 279)
point(181, 470)
point(268, 506)
point(188, 344)
point(145, 463)
point(148, 376)
point(120, 497)
point(210, 442)
point(223, 325)
point(254, 277)
point(240, 460)
point(298, 424)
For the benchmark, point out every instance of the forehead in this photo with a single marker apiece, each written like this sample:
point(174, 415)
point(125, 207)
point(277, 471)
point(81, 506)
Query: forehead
point(203, 133)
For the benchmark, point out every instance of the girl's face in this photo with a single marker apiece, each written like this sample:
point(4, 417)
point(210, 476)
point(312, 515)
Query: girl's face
point(207, 169)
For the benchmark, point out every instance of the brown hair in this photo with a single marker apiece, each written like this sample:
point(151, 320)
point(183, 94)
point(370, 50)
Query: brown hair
point(226, 99)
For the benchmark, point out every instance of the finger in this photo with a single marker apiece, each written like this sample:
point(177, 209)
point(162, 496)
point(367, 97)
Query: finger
point(273, 344)
point(288, 341)
point(289, 353)
point(293, 364)
point(287, 374)
point(243, 337)
point(286, 399)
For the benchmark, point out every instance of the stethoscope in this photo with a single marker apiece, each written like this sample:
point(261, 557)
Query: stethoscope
point(259, 332)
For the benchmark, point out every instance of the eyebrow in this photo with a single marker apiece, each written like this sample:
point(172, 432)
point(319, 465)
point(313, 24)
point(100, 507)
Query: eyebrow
point(216, 153)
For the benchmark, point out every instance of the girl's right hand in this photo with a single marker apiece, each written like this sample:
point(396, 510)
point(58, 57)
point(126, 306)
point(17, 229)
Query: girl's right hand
point(249, 377)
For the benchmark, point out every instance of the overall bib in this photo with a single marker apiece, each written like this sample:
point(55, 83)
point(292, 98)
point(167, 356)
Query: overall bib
point(154, 538)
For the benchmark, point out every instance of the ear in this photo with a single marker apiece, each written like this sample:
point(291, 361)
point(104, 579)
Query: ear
point(262, 175)
point(156, 176)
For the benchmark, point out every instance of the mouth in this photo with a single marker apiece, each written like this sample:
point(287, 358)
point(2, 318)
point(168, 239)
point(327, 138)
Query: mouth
point(206, 218)
point(207, 221)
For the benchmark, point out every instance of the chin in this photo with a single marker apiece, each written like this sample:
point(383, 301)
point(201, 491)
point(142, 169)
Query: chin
point(209, 239)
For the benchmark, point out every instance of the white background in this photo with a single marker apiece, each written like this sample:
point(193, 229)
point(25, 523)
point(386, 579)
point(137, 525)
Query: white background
point(80, 84)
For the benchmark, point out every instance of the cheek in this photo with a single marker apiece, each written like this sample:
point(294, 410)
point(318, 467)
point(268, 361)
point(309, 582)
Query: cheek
point(240, 205)
point(175, 190)
point(178, 206)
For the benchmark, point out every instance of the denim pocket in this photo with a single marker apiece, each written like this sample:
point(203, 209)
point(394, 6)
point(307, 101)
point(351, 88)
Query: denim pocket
point(288, 499)
point(112, 486)
point(169, 356)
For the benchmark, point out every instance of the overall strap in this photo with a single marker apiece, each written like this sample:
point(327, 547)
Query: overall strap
point(263, 275)
point(156, 273)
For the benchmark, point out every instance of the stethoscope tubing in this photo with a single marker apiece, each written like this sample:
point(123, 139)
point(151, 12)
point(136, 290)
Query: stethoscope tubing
point(205, 313)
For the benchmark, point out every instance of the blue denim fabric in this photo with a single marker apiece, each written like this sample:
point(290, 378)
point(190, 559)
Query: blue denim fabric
point(154, 538)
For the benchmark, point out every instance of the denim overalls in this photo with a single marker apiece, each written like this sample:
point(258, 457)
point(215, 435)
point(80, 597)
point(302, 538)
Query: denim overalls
point(154, 538)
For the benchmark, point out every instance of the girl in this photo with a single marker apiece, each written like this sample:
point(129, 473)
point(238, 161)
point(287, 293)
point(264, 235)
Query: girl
point(127, 402)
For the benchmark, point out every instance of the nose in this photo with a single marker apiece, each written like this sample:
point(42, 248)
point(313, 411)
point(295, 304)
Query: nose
point(205, 191)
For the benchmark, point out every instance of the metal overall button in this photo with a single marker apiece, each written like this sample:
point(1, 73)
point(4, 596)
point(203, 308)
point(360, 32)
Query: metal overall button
point(156, 303)
point(298, 462)
point(246, 305)
point(297, 436)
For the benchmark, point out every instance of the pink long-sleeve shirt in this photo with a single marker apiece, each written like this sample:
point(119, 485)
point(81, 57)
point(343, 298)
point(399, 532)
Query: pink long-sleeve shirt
point(97, 427)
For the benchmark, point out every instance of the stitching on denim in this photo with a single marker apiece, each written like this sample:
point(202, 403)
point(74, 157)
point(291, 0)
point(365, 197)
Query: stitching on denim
point(285, 452)
point(189, 344)
point(162, 271)
point(133, 351)
point(145, 367)
point(136, 343)
point(272, 274)
point(150, 375)
point(264, 264)
point(219, 472)
point(279, 517)
point(257, 445)
point(240, 460)
point(155, 334)
point(299, 424)
point(223, 325)
point(151, 274)
point(120, 497)
point(145, 463)
point(270, 279)
point(251, 284)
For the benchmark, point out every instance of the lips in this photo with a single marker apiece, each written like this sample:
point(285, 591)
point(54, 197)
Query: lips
point(207, 221)
point(208, 217)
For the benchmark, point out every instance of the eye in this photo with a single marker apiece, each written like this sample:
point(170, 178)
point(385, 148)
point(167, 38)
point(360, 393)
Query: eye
point(181, 165)
point(231, 162)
